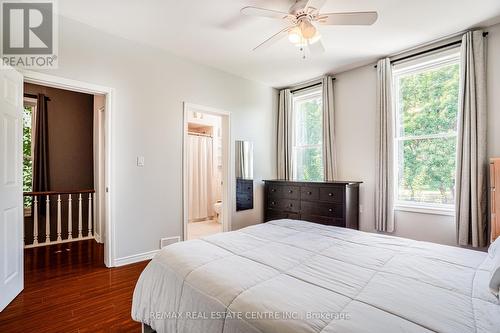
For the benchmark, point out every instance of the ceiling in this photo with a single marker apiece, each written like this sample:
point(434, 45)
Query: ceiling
point(213, 32)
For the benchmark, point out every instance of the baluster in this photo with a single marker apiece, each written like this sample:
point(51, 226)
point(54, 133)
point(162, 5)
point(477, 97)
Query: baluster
point(59, 217)
point(80, 235)
point(70, 217)
point(35, 220)
point(47, 219)
point(89, 220)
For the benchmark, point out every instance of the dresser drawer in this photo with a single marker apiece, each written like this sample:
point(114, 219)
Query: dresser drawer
point(310, 193)
point(244, 185)
point(323, 220)
point(322, 209)
point(291, 192)
point(284, 204)
point(275, 191)
point(278, 214)
point(244, 201)
point(331, 194)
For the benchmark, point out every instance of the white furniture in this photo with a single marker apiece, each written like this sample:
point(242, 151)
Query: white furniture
point(296, 276)
point(217, 210)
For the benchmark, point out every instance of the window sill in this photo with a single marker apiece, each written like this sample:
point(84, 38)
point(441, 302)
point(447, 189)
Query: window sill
point(425, 209)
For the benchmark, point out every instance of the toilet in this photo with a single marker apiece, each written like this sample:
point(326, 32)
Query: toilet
point(217, 209)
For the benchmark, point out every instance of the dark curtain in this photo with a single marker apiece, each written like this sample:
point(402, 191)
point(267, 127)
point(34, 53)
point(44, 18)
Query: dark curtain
point(41, 150)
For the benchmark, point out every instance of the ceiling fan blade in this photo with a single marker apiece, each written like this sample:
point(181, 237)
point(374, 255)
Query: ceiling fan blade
point(352, 18)
point(263, 12)
point(317, 48)
point(273, 39)
point(304, 4)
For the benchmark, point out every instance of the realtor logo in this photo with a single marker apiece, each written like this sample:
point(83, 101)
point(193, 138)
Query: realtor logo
point(28, 34)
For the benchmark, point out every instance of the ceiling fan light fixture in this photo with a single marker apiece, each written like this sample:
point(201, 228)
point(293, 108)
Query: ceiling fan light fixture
point(315, 38)
point(307, 29)
point(301, 43)
point(295, 35)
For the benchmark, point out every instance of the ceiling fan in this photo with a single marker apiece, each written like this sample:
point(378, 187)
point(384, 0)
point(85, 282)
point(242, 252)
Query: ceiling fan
point(302, 20)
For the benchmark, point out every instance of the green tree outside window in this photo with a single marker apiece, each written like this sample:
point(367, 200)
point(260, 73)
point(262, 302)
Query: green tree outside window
point(27, 156)
point(308, 116)
point(426, 129)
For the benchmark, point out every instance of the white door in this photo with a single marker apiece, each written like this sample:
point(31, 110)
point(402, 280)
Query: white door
point(11, 185)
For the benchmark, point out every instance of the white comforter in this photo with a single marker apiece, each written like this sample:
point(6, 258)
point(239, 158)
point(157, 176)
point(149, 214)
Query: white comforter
point(295, 276)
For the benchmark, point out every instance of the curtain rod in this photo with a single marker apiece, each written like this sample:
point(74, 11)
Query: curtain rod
point(199, 134)
point(306, 87)
point(35, 96)
point(430, 50)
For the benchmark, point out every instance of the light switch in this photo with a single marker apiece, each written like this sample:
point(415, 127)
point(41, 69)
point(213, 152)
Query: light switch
point(140, 161)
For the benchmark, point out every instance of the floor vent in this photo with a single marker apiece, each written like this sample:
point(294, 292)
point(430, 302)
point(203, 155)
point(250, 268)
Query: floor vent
point(169, 240)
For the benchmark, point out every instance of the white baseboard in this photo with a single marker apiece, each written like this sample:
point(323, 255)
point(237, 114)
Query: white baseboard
point(135, 258)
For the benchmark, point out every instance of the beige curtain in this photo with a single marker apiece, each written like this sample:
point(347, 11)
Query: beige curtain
point(384, 182)
point(285, 135)
point(470, 215)
point(329, 151)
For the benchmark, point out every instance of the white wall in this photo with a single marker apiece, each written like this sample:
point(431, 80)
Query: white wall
point(150, 88)
point(355, 100)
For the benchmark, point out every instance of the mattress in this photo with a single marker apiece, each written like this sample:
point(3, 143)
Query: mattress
point(296, 276)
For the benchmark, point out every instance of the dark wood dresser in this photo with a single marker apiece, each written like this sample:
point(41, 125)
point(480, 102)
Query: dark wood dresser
point(331, 203)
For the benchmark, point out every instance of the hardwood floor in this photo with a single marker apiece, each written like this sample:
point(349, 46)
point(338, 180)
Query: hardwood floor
point(68, 289)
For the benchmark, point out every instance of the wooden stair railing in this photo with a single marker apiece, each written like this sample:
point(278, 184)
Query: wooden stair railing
point(39, 197)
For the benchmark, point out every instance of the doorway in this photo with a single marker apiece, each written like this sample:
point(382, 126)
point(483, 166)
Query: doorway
point(205, 171)
point(46, 207)
point(95, 212)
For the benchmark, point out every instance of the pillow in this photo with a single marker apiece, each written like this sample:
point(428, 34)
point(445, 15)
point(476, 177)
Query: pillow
point(494, 248)
point(495, 275)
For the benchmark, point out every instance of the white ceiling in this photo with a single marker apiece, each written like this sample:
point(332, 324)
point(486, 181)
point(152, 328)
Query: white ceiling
point(214, 33)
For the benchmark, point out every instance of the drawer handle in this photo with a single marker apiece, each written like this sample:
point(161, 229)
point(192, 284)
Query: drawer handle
point(310, 193)
point(249, 188)
point(330, 210)
point(273, 203)
point(330, 194)
point(290, 191)
point(273, 190)
point(291, 205)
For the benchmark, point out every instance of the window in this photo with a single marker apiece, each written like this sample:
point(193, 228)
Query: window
point(307, 135)
point(426, 107)
point(28, 120)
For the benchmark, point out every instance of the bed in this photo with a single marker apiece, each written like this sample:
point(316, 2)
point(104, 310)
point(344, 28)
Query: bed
point(296, 276)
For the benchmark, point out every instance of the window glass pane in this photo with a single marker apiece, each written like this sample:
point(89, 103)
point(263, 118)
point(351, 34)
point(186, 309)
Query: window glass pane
point(427, 170)
point(309, 164)
point(308, 120)
point(428, 101)
point(27, 160)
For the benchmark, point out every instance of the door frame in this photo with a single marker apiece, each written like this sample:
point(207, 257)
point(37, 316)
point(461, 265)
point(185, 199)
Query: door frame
point(226, 164)
point(89, 88)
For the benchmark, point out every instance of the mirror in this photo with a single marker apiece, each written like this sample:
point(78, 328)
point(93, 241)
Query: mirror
point(244, 175)
point(244, 160)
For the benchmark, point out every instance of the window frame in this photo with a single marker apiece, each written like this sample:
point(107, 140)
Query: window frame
point(434, 61)
point(31, 102)
point(301, 96)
